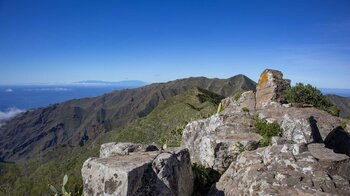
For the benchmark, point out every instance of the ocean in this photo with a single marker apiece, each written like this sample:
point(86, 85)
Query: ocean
point(16, 99)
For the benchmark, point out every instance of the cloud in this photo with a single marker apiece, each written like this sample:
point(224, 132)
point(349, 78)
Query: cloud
point(49, 89)
point(9, 90)
point(9, 113)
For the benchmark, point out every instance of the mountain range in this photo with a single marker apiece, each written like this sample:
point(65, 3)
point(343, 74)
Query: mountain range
point(75, 122)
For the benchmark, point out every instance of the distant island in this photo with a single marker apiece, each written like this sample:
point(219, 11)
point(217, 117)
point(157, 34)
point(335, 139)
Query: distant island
point(124, 83)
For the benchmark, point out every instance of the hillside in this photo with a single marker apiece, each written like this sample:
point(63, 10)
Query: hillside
point(75, 122)
point(33, 177)
point(343, 103)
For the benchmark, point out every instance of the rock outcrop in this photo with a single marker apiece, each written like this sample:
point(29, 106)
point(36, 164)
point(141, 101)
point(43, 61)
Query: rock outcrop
point(216, 141)
point(134, 169)
point(270, 88)
point(289, 169)
point(309, 157)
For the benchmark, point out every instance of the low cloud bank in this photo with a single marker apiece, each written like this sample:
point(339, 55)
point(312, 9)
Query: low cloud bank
point(9, 113)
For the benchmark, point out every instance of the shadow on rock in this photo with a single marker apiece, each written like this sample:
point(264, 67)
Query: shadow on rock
point(339, 141)
point(315, 132)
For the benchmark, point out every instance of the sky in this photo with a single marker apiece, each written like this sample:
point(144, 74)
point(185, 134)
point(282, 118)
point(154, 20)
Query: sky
point(63, 41)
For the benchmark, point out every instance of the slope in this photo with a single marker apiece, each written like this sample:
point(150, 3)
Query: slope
point(343, 103)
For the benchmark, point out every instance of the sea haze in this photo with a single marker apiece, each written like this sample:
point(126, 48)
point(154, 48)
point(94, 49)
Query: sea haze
point(15, 99)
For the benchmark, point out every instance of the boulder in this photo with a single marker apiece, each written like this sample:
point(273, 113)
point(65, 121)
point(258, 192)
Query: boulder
point(321, 153)
point(270, 88)
point(139, 172)
point(216, 141)
point(280, 170)
point(301, 125)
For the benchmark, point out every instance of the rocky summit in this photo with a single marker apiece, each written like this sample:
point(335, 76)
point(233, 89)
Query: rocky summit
point(303, 151)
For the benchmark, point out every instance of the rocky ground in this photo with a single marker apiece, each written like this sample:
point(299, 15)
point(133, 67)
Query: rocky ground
point(309, 157)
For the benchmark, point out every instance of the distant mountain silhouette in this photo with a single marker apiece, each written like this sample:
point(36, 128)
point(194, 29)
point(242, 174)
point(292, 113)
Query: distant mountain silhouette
point(75, 122)
point(124, 83)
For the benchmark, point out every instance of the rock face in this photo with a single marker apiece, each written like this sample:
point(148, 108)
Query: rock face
point(130, 169)
point(288, 169)
point(270, 88)
point(300, 125)
point(246, 100)
point(216, 141)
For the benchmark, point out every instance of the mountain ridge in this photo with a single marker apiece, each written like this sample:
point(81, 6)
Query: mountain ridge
point(77, 121)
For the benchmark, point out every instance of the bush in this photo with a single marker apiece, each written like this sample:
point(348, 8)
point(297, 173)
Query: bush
point(308, 94)
point(267, 131)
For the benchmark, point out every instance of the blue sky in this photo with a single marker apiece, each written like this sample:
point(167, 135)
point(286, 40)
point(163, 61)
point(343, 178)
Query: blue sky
point(61, 41)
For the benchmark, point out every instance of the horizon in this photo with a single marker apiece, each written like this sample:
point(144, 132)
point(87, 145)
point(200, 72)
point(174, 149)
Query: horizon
point(63, 42)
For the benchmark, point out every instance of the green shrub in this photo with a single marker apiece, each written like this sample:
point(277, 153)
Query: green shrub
point(343, 124)
point(308, 94)
point(203, 179)
point(237, 96)
point(173, 139)
point(267, 131)
point(334, 110)
point(245, 109)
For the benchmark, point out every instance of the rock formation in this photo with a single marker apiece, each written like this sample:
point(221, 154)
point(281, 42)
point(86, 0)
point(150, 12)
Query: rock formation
point(270, 88)
point(134, 169)
point(288, 169)
point(309, 157)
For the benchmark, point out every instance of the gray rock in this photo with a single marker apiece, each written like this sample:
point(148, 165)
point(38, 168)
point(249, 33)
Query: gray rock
point(280, 170)
point(139, 173)
point(320, 152)
point(122, 148)
point(301, 125)
point(246, 100)
point(270, 88)
point(216, 141)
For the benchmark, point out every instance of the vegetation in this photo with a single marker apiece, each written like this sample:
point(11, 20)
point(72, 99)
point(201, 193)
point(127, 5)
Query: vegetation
point(237, 96)
point(64, 191)
point(308, 94)
point(32, 178)
point(343, 124)
point(164, 125)
point(203, 178)
point(266, 130)
point(245, 110)
point(219, 108)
